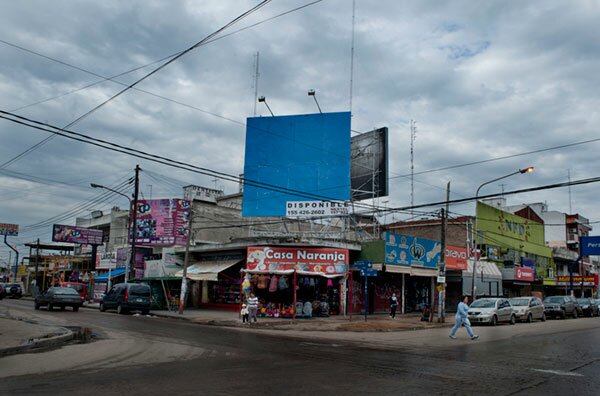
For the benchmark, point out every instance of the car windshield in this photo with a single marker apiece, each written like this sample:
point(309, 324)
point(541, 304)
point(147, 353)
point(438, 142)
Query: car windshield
point(555, 299)
point(519, 301)
point(64, 290)
point(583, 301)
point(484, 303)
point(139, 290)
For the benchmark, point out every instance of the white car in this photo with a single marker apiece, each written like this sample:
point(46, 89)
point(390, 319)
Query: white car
point(491, 310)
point(528, 308)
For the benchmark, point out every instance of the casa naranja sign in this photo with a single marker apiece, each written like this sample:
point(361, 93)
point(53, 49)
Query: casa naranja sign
point(318, 261)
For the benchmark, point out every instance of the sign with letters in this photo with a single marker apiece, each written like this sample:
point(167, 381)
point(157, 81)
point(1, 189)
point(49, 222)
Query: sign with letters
point(590, 246)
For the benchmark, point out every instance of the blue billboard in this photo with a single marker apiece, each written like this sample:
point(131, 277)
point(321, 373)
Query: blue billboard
point(295, 158)
point(411, 251)
point(589, 246)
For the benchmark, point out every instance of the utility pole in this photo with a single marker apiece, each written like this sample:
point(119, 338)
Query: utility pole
point(186, 260)
point(442, 292)
point(134, 211)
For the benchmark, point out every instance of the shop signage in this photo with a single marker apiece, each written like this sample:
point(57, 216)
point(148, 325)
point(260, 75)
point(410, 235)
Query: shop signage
point(9, 229)
point(565, 280)
point(410, 251)
point(318, 261)
point(510, 231)
point(549, 282)
point(589, 246)
point(162, 222)
point(368, 272)
point(316, 208)
point(70, 234)
point(456, 258)
point(361, 265)
point(524, 274)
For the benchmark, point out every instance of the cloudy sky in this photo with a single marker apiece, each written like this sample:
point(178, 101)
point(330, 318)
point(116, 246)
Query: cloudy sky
point(492, 86)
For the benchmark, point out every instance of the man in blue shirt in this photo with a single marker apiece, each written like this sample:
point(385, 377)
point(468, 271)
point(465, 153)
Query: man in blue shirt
point(461, 317)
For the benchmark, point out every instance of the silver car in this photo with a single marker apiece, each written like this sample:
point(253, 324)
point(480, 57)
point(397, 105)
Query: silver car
point(492, 311)
point(528, 308)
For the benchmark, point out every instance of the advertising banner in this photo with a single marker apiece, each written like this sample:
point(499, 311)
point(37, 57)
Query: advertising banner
point(315, 261)
point(306, 156)
point(9, 229)
point(70, 234)
point(500, 228)
point(590, 246)
point(162, 222)
point(410, 251)
point(456, 258)
point(524, 274)
point(564, 280)
point(316, 208)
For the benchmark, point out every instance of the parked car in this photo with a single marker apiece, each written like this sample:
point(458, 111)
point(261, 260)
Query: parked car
point(561, 307)
point(127, 297)
point(61, 297)
point(492, 311)
point(588, 306)
point(2, 291)
point(528, 308)
point(13, 290)
point(81, 288)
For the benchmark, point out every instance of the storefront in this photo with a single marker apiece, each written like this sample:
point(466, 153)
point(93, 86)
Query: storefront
point(296, 281)
point(582, 286)
point(517, 281)
point(215, 282)
point(488, 279)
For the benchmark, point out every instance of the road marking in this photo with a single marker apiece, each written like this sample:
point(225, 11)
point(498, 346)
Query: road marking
point(557, 372)
point(321, 344)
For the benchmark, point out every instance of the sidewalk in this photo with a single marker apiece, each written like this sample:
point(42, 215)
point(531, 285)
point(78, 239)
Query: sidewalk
point(18, 335)
point(374, 323)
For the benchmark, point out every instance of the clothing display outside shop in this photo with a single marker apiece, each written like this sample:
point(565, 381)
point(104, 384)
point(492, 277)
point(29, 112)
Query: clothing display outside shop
point(295, 282)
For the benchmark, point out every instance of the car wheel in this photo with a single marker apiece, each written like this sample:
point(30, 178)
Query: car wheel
point(513, 319)
point(120, 310)
point(102, 307)
point(50, 307)
point(62, 308)
point(574, 314)
point(36, 306)
point(543, 316)
point(75, 309)
point(563, 314)
point(145, 312)
point(494, 321)
point(529, 318)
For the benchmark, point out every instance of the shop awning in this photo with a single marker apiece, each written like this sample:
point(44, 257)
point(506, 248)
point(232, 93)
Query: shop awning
point(429, 272)
point(488, 269)
point(403, 269)
point(207, 270)
point(113, 274)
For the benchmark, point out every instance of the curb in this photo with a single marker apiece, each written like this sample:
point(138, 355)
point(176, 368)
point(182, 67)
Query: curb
point(45, 342)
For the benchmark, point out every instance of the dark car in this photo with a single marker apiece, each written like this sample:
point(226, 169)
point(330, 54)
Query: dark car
point(127, 297)
point(588, 306)
point(60, 297)
point(13, 290)
point(561, 307)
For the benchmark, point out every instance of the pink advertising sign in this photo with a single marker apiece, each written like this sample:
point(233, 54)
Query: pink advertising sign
point(325, 261)
point(162, 222)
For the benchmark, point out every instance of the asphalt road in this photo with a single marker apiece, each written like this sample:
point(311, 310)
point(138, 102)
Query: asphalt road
point(154, 356)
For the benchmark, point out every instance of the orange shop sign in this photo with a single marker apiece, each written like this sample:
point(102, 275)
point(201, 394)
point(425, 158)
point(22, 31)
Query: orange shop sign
point(565, 280)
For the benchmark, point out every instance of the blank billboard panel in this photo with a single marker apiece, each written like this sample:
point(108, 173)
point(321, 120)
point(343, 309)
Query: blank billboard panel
point(295, 158)
point(369, 164)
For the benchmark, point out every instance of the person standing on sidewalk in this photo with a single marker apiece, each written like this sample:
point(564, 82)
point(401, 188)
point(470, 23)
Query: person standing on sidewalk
point(393, 305)
point(252, 307)
point(462, 317)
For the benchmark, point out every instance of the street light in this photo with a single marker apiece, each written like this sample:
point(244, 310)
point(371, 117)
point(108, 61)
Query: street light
point(131, 226)
point(262, 99)
point(311, 92)
point(520, 171)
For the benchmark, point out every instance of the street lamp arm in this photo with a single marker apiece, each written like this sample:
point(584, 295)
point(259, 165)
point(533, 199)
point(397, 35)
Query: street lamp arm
point(524, 170)
point(94, 185)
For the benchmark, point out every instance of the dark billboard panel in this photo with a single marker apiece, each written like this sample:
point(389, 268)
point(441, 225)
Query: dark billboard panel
point(162, 222)
point(307, 153)
point(369, 164)
point(71, 234)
